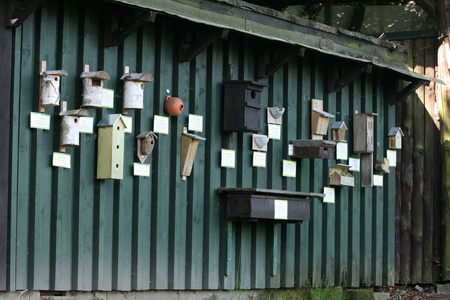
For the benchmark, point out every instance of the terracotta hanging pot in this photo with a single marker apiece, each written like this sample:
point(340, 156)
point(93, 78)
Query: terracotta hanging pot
point(173, 106)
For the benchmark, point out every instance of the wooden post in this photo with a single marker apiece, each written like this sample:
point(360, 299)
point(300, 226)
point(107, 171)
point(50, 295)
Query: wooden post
point(126, 70)
point(42, 68)
point(63, 108)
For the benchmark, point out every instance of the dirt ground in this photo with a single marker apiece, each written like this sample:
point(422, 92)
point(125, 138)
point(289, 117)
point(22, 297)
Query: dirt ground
point(411, 293)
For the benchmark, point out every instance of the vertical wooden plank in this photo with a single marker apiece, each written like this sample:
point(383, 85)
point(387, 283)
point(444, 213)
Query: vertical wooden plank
point(398, 196)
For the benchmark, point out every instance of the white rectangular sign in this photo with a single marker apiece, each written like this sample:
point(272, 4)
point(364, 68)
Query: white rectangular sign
point(228, 159)
point(86, 125)
point(195, 123)
point(108, 98)
point(39, 121)
point(61, 160)
point(161, 124)
point(280, 209)
point(141, 170)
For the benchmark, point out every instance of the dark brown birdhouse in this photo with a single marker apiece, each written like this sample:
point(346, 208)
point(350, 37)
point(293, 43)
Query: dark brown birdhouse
point(145, 144)
point(363, 132)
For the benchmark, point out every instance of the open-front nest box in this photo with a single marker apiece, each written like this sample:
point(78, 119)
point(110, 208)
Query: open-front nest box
point(395, 138)
point(275, 115)
point(339, 176)
point(133, 89)
point(242, 106)
point(92, 87)
point(50, 82)
point(145, 144)
point(338, 130)
point(111, 140)
point(312, 149)
point(189, 145)
point(363, 132)
point(70, 127)
point(319, 120)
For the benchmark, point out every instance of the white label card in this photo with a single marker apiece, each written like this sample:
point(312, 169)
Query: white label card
point(86, 124)
point(228, 158)
point(129, 123)
point(274, 131)
point(378, 180)
point(108, 98)
point(329, 195)
point(392, 156)
point(354, 164)
point(342, 151)
point(291, 150)
point(195, 123)
point(61, 160)
point(259, 159)
point(141, 170)
point(280, 209)
point(161, 124)
point(289, 168)
point(39, 121)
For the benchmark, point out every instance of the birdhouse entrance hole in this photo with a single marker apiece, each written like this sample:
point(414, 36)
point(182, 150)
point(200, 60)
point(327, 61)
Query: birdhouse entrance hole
point(96, 82)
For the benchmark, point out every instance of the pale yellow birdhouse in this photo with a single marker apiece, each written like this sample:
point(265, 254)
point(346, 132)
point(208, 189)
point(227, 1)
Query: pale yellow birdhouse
point(111, 140)
point(189, 144)
point(319, 120)
point(339, 176)
point(395, 138)
point(92, 87)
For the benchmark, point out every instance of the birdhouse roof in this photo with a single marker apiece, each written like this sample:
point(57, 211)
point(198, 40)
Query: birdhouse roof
point(143, 77)
point(313, 143)
point(145, 134)
point(323, 113)
point(193, 136)
point(110, 120)
point(102, 75)
point(55, 73)
point(338, 125)
point(82, 112)
point(340, 168)
point(394, 131)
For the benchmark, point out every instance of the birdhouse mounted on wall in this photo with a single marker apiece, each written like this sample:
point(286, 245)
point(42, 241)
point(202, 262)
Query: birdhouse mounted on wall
point(259, 142)
point(189, 144)
point(70, 126)
point(133, 89)
point(275, 115)
point(339, 176)
point(111, 140)
point(382, 165)
point(319, 120)
point(395, 138)
point(338, 130)
point(145, 144)
point(92, 87)
point(363, 132)
point(312, 149)
point(242, 106)
point(49, 86)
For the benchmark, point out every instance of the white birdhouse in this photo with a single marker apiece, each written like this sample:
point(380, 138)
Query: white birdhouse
point(70, 126)
point(340, 177)
point(49, 92)
point(133, 89)
point(92, 87)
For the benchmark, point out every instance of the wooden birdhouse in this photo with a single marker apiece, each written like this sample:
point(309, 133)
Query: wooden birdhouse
point(319, 120)
point(111, 140)
point(339, 176)
point(242, 106)
point(259, 142)
point(395, 138)
point(49, 86)
point(145, 144)
point(70, 126)
point(363, 132)
point(338, 130)
point(312, 149)
point(275, 115)
point(189, 144)
point(382, 165)
point(92, 87)
point(133, 89)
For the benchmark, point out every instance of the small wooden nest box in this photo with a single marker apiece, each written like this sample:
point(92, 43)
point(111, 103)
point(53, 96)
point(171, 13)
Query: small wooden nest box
point(189, 144)
point(363, 132)
point(50, 82)
point(259, 142)
point(382, 165)
point(70, 127)
point(92, 87)
point(133, 89)
point(145, 144)
point(312, 149)
point(111, 140)
point(339, 176)
point(395, 138)
point(275, 115)
point(319, 120)
point(242, 106)
point(338, 130)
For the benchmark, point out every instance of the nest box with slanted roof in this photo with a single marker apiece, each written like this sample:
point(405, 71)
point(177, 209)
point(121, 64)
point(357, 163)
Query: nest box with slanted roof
point(319, 120)
point(338, 130)
point(92, 87)
point(395, 138)
point(49, 88)
point(133, 89)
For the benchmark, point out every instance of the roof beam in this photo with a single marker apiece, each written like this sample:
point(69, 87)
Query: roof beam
point(335, 83)
point(267, 69)
point(406, 91)
point(17, 14)
point(195, 48)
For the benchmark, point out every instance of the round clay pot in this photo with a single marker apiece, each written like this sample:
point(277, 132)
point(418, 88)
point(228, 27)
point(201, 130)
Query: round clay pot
point(173, 106)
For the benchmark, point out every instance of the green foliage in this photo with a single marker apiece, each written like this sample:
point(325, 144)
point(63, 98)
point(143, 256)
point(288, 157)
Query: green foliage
point(327, 291)
point(361, 294)
point(284, 294)
point(97, 298)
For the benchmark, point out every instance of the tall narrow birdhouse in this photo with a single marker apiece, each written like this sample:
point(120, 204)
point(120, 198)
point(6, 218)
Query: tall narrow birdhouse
point(338, 130)
point(92, 87)
point(111, 140)
point(145, 144)
point(189, 144)
point(340, 177)
point(275, 115)
point(363, 132)
point(133, 89)
point(319, 120)
point(70, 126)
point(49, 86)
point(242, 106)
point(395, 138)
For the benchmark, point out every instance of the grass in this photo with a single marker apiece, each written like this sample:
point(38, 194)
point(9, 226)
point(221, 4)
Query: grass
point(324, 291)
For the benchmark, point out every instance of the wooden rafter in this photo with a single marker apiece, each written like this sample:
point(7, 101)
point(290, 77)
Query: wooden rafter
point(335, 84)
point(267, 69)
point(17, 14)
point(396, 97)
point(189, 52)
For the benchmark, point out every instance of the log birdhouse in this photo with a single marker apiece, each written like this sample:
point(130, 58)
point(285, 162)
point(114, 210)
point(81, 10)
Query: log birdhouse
point(395, 138)
point(319, 120)
point(338, 130)
point(70, 126)
point(275, 115)
point(92, 87)
point(133, 89)
point(145, 144)
point(111, 140)
point(49, 86)
point(340, 177)
point(242, 106)
point(363, 132)
point(189, 144)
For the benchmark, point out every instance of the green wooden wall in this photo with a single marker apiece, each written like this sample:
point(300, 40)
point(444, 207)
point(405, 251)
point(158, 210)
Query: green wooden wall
point(70, 231)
